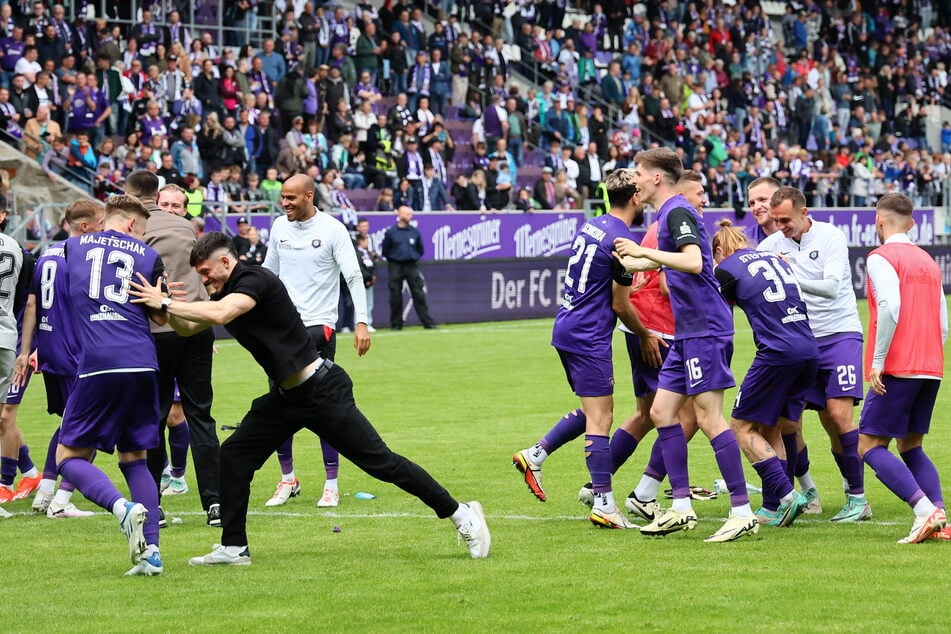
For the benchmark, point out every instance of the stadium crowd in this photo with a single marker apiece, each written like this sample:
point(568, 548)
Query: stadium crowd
point(366, 100)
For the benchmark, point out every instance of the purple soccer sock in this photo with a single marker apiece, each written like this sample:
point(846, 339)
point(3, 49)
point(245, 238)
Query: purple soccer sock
point(792, 456)
point(8, 470)
point(674, 446)
point(142, 489)
point(727, 452)
point(285, 455)
point(894, 474)
point(565, 430)
point(622, 447)
point(775, 481)
point(853, 469)
point(655, 464)
point(598, 458)
point(925, 473)
point(49, 467)
point(331, 459)
point(802, 461)
point(24, 461)
point(178, 438)
point(92, 482)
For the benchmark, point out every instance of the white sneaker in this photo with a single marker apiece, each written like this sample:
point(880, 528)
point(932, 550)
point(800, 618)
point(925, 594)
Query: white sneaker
point(131, 526)
point(60, 511)
point(149, 565)
point(284, 492)
point(925, 527)
point(219, 557)
point(671, 521)
point(610, 519)
point(475, 532)
point(371, 329)
point(165, 481)
point(176, 486)
point(41, 502)
point(331, 497)
point(735, 528)
point(649, 510)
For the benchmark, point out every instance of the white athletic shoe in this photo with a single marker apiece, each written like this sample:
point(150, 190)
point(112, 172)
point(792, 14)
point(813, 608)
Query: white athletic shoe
point(475, 532)
point(284, 492)
point(925, 527)
point(41, 502)
point(176, 486)
point(671, 521)
point(371, 329)
point(149, 565)
point(131, 526)
point(586, 495)
point(610, 519)
point(331, 497)
point(219, 557)
point(735, 528)
point(61, 511)
point(649, 510)
point(166, 480)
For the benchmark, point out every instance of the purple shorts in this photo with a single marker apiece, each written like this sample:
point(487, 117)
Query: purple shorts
point(904, 409)
point(587, 375)
point(110, 412)
point(697, 365)
point(58, 389)
point(840, 370)
point(645, 376)
point(15, 392)
point(769, 392)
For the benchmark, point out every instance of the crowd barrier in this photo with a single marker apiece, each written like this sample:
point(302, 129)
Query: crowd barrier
point(473, 235)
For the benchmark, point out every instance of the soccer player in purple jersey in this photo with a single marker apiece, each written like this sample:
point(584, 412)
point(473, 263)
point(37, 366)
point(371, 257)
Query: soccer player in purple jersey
point(819, 255)
point(114, 403)
point(774, 389)
point(57, 349)
point(907, 330)
point(597, 292)
point(698, 363)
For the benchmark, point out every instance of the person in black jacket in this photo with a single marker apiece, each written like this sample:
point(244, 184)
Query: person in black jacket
point(402, 248)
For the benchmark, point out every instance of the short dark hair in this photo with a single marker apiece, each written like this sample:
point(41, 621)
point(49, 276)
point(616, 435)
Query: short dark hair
point(209, 244)
point(896, 203)
point(142, 184)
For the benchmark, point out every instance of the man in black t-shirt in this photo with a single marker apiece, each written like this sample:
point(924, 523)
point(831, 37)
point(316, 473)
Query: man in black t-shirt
point(309, 391)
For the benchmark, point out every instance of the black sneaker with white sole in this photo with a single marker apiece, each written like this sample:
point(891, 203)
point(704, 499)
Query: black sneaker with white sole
point(162, 522)
point(214, 515)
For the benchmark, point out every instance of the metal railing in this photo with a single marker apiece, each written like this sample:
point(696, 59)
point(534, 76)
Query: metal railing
point(45, 220)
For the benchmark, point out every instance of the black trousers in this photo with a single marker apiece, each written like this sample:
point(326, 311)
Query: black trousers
point(188, 359)
point(408, 271)
point(323, 404)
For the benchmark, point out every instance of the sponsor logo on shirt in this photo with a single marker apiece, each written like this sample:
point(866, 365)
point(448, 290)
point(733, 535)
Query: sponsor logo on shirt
point(594, 232)
point(793, 315)
point(814, 255)
point(106, 314)
point(315, 243)
point(685, 229)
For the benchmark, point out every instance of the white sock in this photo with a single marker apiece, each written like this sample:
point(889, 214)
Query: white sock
point(234, 551)
point(845, 486)
point(787, 499)
point(647, 489)
point(150, 549)
point(743, 510)
point(47, 486)
point(805, 481)
point(331, 484)
point(604, 501)
point(118, 509)
point(63, 497)
point(167, 470)
point(537, 454)
point(8, 486)
point(682, 505)
point(923, 507)
point(461, 515)
point(288, 477)
point(32, 473)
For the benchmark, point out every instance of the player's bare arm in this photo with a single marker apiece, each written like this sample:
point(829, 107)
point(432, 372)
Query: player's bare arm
point(187, 318)
point(688, 259)
point(22, 366)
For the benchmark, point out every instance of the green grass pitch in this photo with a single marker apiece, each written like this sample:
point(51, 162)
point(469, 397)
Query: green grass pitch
point(460, 401)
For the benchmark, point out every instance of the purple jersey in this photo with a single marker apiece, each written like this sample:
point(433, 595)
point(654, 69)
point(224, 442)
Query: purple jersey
point(699, 309)
point(55, 334)
point(764, 286)
point(113, 333)
point(585, 321)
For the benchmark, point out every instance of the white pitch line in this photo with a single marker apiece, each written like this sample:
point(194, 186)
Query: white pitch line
point(512, 518)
